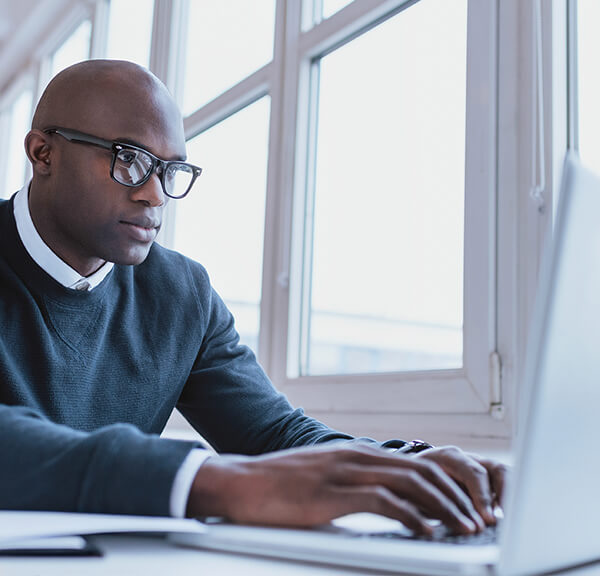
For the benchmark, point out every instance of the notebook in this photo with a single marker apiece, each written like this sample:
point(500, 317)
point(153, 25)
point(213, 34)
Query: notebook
point(553, 501)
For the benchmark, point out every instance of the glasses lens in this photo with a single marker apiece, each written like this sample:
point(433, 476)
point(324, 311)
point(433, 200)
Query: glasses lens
point(178, 179)
point(131, 166)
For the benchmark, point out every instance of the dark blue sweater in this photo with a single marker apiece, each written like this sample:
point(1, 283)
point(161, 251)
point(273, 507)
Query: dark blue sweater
point(89, 379)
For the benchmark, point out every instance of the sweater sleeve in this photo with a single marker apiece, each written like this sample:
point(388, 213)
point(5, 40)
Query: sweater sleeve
point(115, 469)
point(232, 403)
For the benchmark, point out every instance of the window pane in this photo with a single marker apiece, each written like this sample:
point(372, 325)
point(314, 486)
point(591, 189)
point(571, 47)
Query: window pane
point(588, 16)
point(20, 122)
point(74, 49)
point(130, 30)
point(227, 41)
point(387, 273)
point(332, 6)
point(220, 223)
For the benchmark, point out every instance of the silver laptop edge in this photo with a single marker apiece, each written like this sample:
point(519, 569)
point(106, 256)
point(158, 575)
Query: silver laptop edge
point(552, 511)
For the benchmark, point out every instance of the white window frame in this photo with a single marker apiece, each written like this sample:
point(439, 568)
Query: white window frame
point(24, 82)
point(504, 231)
point(524, 229)
point(68, 24)
point(360, 397)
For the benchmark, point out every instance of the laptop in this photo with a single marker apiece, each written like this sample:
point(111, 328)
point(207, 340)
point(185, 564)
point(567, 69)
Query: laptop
point(553, 502)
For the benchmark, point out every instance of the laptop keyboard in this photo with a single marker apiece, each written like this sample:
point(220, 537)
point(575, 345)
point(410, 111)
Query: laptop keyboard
point(440, 534)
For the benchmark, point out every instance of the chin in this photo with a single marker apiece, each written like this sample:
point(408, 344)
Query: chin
point(133, 257)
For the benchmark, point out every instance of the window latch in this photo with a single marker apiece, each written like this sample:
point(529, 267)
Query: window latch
point(496, 405)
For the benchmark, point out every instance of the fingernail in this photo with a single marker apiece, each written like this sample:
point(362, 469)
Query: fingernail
point(470, 525)
point(480, 522)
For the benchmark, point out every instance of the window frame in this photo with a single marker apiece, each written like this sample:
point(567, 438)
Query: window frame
point(8, 99)
point(477, 404)
point(440, 391)
point(72, 19)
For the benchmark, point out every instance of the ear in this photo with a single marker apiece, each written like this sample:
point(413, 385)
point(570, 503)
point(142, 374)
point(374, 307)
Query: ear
point(38, 149)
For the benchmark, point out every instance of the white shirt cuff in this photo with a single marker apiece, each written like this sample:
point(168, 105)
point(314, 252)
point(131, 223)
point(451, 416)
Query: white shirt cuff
point(184, 479)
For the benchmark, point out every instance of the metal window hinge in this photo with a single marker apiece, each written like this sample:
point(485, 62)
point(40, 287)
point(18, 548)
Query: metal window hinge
point(496, 405)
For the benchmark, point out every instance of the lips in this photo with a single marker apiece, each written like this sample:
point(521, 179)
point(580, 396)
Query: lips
point(142, 229)
point(142, 222)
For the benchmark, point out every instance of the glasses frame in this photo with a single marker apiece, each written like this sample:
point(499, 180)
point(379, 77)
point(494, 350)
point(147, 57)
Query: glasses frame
point(159, 166)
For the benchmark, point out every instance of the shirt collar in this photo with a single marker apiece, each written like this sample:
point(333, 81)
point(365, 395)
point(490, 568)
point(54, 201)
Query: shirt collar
point(43, 255)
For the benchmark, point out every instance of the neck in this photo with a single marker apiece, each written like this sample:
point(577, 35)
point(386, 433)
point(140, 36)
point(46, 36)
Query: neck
point(45, 224)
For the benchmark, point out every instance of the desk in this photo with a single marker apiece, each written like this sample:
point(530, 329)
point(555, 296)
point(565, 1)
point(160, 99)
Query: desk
point(154, 556)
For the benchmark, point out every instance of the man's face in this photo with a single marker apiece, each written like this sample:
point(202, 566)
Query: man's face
point(93, 218)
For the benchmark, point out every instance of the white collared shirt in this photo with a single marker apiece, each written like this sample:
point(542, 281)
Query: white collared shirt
point(46, 259)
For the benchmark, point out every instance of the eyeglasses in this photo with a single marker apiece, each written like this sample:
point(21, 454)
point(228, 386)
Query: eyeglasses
point(132, 166)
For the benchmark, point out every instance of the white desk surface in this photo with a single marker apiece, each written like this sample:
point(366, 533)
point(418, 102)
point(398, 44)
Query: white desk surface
point(153, 556)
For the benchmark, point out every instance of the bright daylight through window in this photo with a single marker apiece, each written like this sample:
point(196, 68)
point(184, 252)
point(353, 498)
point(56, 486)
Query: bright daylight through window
point(74, 49)
point(130, 30)
point(588, 89)
point(385, 290)
point(346, 208)
point(221, 224)
point(226, 41)
point(18, 125)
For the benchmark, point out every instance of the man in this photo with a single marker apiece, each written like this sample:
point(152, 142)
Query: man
point(105, 332)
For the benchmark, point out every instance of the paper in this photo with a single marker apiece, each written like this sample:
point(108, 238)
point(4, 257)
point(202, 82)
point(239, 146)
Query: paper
point(50, 546)
point(26, 525)
point(54, 543)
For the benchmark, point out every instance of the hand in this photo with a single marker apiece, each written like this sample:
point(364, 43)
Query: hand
point(482, 479)
point(311, 486)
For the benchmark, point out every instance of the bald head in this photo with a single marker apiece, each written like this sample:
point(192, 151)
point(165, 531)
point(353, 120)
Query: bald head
point(84, 214)
point(108, 98)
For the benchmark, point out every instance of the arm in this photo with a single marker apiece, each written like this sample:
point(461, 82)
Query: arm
point(115, 469)
point(232, 403)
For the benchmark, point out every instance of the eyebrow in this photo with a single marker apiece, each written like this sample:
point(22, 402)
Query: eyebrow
point(139, 145)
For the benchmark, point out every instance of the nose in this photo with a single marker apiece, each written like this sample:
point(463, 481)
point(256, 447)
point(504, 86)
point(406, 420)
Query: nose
point(150, 193)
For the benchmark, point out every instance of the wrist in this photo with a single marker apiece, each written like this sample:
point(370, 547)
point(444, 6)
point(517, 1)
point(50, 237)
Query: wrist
point(212, 490)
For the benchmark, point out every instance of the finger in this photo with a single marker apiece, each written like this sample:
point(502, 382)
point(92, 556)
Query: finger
point(498, 474)
point(436, 504)
point(376, 457)
point(380, 500)
point(409, 485)
point(477, 482)
point(452, 490)
point(373, 457)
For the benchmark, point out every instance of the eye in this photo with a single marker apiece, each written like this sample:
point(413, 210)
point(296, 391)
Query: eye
point(171, 172)
point(127, 156)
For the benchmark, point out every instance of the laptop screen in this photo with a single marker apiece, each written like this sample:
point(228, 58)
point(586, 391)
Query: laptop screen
point(551, 519)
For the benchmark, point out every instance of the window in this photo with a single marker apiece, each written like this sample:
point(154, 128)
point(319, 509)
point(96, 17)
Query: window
point(384, 284)
point(130, 30)
point(391, 293)
point(357, 210)
point(74, 49)
point(332, 6)
point(226, 41)
point(221, 223)
point(17, 120)
point(587, 93)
